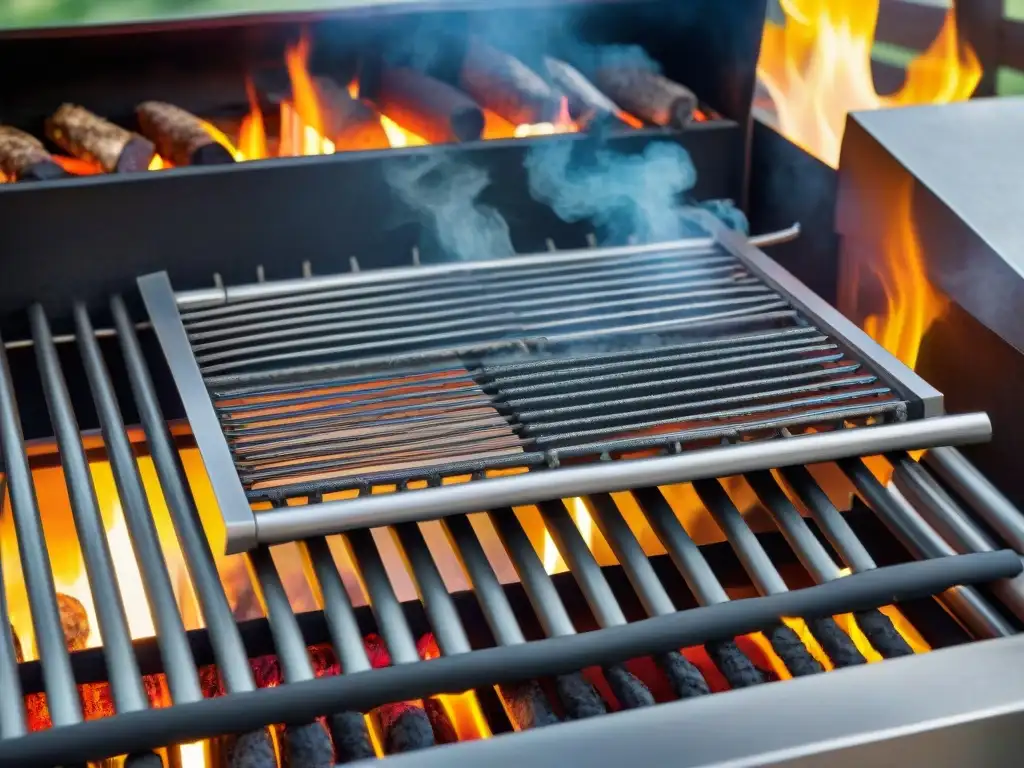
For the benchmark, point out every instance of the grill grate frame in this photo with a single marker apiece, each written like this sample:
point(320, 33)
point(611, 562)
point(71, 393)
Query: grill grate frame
point(242, 707)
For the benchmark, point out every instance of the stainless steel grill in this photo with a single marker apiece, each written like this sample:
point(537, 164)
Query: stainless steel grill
point(300, 389)
point(196, 708)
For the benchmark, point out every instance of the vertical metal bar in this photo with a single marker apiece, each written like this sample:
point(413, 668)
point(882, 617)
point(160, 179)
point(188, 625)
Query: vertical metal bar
point(628, 552)
point(179, 666)
point(492, 598)
point(337, 607)
point(228, 649)
point(12, 703)
point(581, 562)
point(58, 679)
point(831, 521)
point(540, 590)
point(284, 627)
point(437, 602)
point(383, 601)
point(921, 540)
point(123, 669)
point(983, 497)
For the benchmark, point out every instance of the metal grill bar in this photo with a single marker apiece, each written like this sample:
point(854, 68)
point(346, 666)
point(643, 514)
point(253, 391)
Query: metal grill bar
point(284, 627)
point(125, 678)
point(12, 711)
point(222, 630)
point(58, 679)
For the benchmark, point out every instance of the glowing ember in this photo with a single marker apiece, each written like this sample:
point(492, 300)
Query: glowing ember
point(817, 68)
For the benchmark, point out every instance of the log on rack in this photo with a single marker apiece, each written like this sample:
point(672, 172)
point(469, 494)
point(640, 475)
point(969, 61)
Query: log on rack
point(79, 132)
point(648, 95)
point(179, 136)
point(429, 108)
point(587, 104)
point(349, 122)
point(506, 86)
point(23, 157)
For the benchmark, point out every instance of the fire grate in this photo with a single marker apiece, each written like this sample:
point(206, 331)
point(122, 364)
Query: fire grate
point(300, 389)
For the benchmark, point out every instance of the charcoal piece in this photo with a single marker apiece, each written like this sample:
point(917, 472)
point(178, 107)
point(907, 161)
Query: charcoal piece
point(143, 760)
point(791, 649)
point(527, 705)
point(429, 108)
point(686, 680)
point(18, 654)
point(882, 635)
point(587, 104)
point(252, 750)
point(444, 729)
point(579, 697)
point(79, 132)
point(506, 86)
point(23, 157)
point(630, 692)
point(74, 621)
point(835, 642)
point(648, 95)
point(350, 736)
point(349, 122)
point(408, 730)
point(179, 136)
point(738, 670)
point(306, 746)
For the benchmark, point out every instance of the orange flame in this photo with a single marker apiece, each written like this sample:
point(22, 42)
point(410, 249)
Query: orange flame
point(817, 68)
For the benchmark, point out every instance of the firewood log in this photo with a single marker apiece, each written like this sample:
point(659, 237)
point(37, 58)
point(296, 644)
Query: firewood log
point(79, 132)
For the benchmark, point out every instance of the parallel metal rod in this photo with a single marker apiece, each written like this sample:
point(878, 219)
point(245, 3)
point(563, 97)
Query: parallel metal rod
point(125, 677)
point(289, 644)
point(12, 704)
point(831, 521)
point(966, 604)
point(488, 590)
point(943, 514)
point(337, 607)
point(179, 665)
point(437, 602)
point(228, 649)
point(58, 678)
point(387, 610)
point(983, 497)
point(602, 477)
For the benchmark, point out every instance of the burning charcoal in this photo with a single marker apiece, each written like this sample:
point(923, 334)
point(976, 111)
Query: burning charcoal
point(252, 750)
point(405, 727)
point(306, 746)
point(429, 108)
point(444, 728)
point(882, 635)
point(527, 705)
point(79, 132)
point(836, 643)
point(630, 692)
point(791, 649)
point(587, 105)
point(685, 678)
point(648, 95)
point(18, 654)
point(503, 84)
point(143, 760)
point(179, 136)
point(348, 122)
point(738, 670)
point(579, 697)
point(23, 158)
point(74, 621)
point(350, 736)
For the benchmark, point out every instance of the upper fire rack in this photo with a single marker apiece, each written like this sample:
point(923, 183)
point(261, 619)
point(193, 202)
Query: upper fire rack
point(526, 377)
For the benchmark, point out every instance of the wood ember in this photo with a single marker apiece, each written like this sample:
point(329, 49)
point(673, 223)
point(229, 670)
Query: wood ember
point(648, 95)
point(306, 746)
point(179, 136)
point(587, 104)
point(526, 705)
point(350, 736)
point(427, 107)
point(405, 726)
point(882, 635)
point(738, 670)
point(74, 621)
point(506, 86)
point(79, 132)
point(791, 649)
point(579, 698)
point(143, 760)
point(684, 677)
point(835, 642)
point(350, 123)
point(630, 692)
point(23, 157)
point(252, 750)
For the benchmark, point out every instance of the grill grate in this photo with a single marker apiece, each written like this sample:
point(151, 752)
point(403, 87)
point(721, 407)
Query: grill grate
point(422, 376)
point(189, 712)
